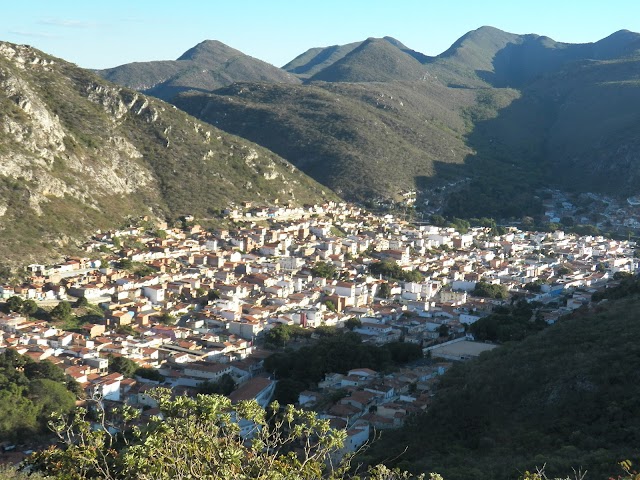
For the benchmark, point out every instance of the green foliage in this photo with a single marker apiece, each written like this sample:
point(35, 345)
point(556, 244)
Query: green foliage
point(167, 318)
point(507, 323)
point(565, 397)
point(352, 323)
point(190, 167)
point(535, 286)
point(460, 225)
point(224, 386)
point(324, 269)
point(9, 472)
point(629, 285)
point(62, 311)
point(281, 334)
point(149, 373)
point(82, 302)
point(339, 353)
point(29, 392)
point(384, 291)
point(391, 270)
point(490, 290)
point(196, 438)
point(14, 304)
point(123, 365)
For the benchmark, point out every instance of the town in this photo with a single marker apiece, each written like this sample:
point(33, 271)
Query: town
point(190, 307)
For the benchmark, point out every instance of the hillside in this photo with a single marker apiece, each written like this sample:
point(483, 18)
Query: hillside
point(78, 154)
point(207, 66)
point(346, 135)
point(566, 397)
point(374, 60)
point(501, 59)
point(313, 60)
point(487, 122)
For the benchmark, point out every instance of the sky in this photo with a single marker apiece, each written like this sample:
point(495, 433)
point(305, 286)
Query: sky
point(105, 34)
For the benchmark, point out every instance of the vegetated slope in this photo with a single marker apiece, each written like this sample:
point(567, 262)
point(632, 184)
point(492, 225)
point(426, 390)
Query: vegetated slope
point(207, 66)
point(363, 140)
point(503, 59)
point(576, 129)
point(566, 397)
point(509, 112)
point(374, 60)
point(78, 153)
point(315, 59)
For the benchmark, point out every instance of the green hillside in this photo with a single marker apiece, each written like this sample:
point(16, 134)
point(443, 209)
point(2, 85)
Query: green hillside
point(315, 59)
point(207, 66)
point(363, 140)
point(567, 397)
point(484, 124)
point(374, 60)
point(79, 154)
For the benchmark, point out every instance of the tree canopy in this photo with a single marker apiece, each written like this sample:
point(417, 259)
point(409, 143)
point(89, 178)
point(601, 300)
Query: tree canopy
point(202, 437)
point(29, 392)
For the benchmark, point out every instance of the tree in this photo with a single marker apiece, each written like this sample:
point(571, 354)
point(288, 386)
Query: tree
point(352, 323)
point(43, 369)
point(323, 269)
point(30, 307)
point(123, 365)
point(196, 438)
point(278, 335)
point(14, 304)
point(81, 302)
point(149, 373)
point(224, 386)
point(62, 311)
point(443, 330)
point(166, 318)
point(490, 290)
point(385, 290)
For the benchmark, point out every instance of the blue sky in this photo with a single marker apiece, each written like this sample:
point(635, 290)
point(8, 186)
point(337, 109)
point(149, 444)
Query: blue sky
point(103, 34)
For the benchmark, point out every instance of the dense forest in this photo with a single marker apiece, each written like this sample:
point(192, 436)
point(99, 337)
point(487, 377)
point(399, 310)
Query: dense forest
point(565, 397)
point(29, 392)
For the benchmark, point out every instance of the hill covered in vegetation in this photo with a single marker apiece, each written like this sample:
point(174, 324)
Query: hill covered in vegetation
point(78, 154)
point(504, 113)
point(209, 65)
point(566, 397)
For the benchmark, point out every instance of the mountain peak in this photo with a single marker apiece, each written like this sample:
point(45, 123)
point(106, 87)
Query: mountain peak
point(208, 50)
point(374, 60)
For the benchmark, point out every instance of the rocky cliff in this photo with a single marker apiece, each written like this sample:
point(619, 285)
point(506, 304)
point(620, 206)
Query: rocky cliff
point(78, 153)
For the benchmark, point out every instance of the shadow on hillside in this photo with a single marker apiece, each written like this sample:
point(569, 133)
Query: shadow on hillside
point(517, 64)
point(501, 177)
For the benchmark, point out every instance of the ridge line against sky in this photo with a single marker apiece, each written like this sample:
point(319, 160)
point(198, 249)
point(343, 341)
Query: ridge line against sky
point(107, 34)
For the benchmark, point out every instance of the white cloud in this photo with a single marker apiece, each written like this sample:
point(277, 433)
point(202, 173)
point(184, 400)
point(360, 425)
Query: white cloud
point(67, 23)
point(24, 33)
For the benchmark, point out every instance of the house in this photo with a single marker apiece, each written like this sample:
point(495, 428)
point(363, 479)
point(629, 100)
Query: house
point(107, 387)
point(259, 388)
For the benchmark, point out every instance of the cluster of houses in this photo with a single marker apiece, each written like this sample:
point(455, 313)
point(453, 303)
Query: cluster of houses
point(194, 303)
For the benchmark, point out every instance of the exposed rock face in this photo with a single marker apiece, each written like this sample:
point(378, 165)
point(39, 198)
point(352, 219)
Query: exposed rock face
point(78, 153)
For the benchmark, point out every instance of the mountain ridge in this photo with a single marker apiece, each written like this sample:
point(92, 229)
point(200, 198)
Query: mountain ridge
point(208, 65)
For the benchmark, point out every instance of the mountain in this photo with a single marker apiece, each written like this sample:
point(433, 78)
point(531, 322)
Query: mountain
point(78, 154)
point(502, 59)
point(347, 135)
point(374, 60)
point(565, 397)
point(487, 122)
point(313, 60)
point(207, 66)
